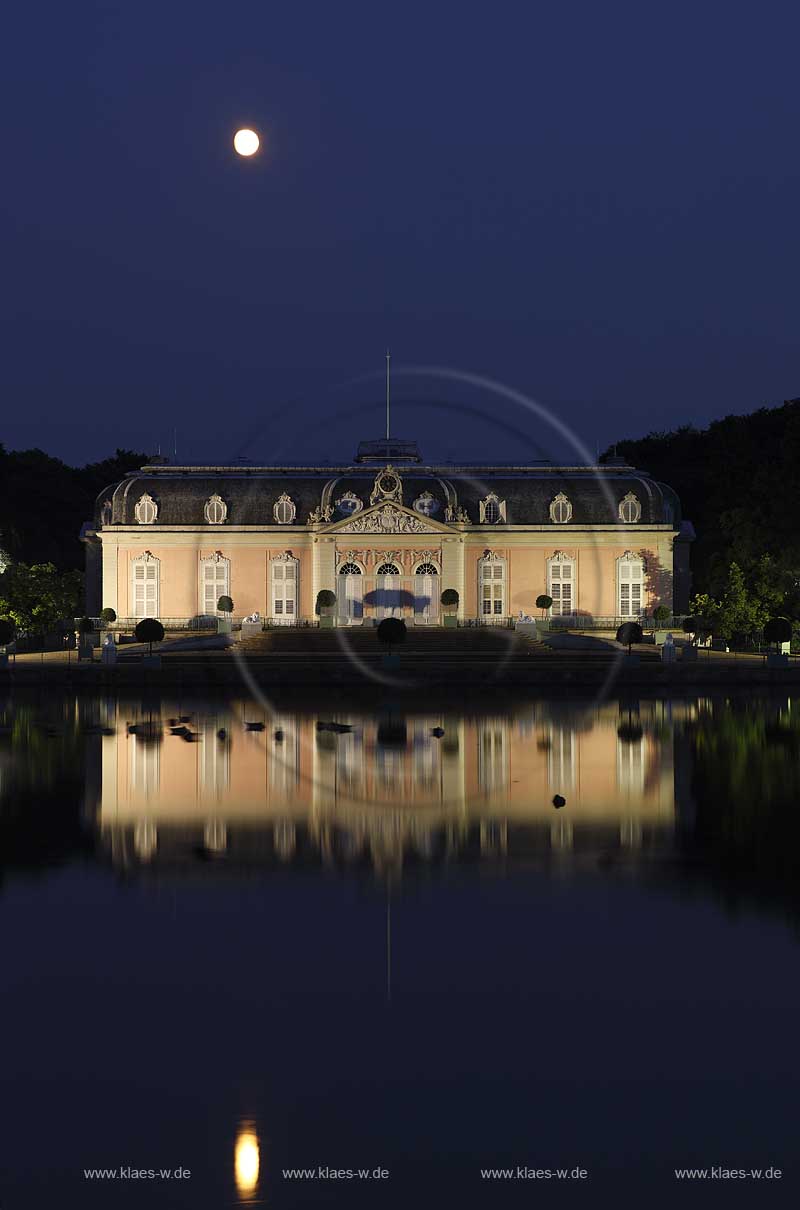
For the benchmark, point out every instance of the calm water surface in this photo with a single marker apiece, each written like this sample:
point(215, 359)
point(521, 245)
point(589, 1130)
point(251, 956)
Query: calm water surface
point(548, 934)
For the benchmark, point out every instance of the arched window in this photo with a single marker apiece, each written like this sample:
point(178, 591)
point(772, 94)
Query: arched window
point(630, 510)
point(630, 585)
point(284, 585)
point(146, 510)
point(426, 592)
point(561, 510)
point(350, 595)
point(561, 584)
point(106, 511)
point(284, 510)
point(492, 586)
point(215, 582)
point(492, 510)
point(145, 586)
point(388, 569)
point(216, 510)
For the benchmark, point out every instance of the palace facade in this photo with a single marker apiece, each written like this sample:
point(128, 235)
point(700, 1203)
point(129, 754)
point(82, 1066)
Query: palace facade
point(387, 534)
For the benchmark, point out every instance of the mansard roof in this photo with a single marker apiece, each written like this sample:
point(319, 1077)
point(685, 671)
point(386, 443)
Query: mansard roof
point(250, 492)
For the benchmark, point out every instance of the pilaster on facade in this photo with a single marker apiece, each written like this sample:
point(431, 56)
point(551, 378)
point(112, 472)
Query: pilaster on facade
point(110, 576)
point(453, 569)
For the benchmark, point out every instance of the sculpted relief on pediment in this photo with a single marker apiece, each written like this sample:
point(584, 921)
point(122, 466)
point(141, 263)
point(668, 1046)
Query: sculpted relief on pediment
point(386, 519)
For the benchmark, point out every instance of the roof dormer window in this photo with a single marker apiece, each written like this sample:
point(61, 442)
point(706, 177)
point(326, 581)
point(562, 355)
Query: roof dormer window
point(216, 510)
point(284, 511)
point(561, 510)
point(146, 510)
point(630, 510)
point(492, 510)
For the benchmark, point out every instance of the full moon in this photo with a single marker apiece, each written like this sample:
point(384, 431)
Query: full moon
point(246, 142)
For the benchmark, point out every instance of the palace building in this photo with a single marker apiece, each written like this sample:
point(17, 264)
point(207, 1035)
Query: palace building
point(387, 534)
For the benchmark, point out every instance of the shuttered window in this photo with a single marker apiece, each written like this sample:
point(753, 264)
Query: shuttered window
point(561, 586)
point(145, 587)
point(492, 586)
point(284, 589)
point(630, 586)
point(215, 583)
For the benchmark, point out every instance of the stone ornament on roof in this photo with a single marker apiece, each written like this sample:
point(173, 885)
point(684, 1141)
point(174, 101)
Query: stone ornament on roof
point(320, 514)
point(349, 503)
point(427, 504)
point(388, 486)
point(386, 520)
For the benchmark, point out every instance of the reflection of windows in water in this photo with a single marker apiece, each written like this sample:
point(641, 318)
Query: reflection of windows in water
point(561, 833)
point(145, 839)
point(284, 758)
point(494, 837)
point(350, 760)
point(630, 766)
point(561, 759)
point(215, 836)
point(630, 833)
point(424, 755)
point(492, 756)
point(145, 766)
point(389, 766)
point(284, 839)
point(215, 763)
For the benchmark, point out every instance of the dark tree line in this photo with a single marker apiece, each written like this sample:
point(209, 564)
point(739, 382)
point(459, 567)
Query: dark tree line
point(739, 483)
point(44, 502)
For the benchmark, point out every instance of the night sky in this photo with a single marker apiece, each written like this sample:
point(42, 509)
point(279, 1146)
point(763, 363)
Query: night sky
point(596, 204)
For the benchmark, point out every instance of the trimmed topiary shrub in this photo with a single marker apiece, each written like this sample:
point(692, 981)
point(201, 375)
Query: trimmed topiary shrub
point(544, 602)
point(225, 605)
point(661, 613)
point(629, 633)
point(326, 599)
point(108, 615)
point(391, 631)
point(149, 630)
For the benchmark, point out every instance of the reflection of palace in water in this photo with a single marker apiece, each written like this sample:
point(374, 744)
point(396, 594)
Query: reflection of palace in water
point(236, 785)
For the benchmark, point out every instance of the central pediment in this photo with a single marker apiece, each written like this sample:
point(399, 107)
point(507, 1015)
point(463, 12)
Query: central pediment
point(387, 519)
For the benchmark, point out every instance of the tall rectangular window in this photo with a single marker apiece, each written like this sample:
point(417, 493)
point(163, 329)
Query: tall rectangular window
point(284, 576)
point(145, 587)
point(561, 585)
point(630, 586)
point(215, 583)
point(492, 587)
